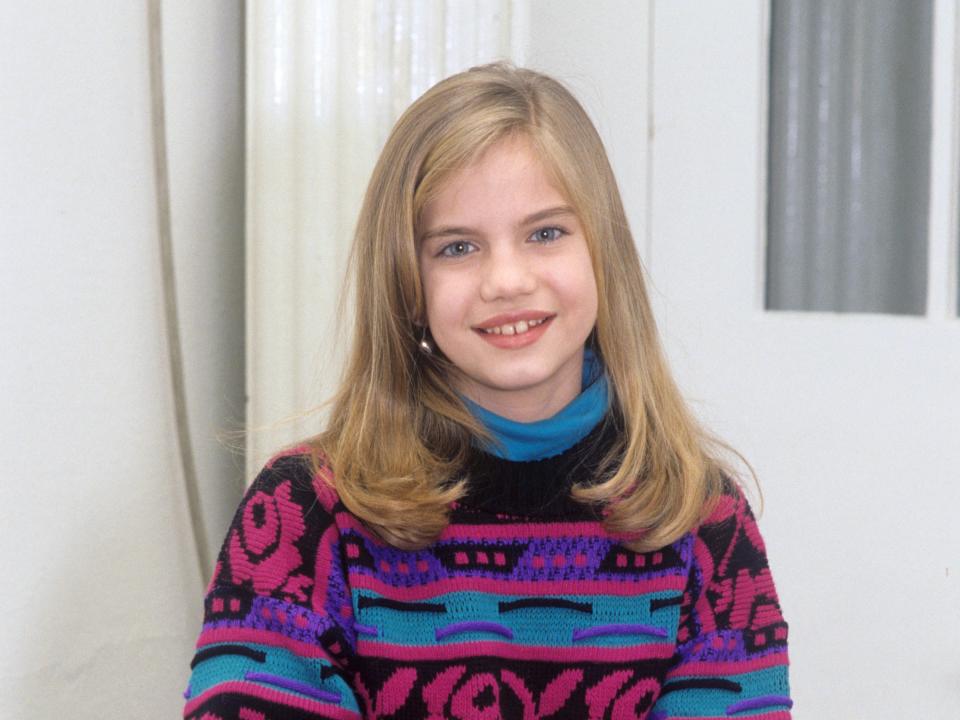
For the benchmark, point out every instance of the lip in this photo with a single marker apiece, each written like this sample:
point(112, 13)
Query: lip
point(513, 318)
point(515, 342)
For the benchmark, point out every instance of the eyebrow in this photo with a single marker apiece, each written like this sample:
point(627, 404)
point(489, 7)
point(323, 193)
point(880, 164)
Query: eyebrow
point(448, 230)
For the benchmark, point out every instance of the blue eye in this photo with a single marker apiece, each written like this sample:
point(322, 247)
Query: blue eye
point(457, 249)
point(548, 234)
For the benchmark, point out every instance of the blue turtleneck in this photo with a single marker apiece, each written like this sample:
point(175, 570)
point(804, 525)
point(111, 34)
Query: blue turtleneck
point(545, 438)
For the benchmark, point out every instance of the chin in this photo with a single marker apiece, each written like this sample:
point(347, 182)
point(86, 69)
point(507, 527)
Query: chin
point(514, 383)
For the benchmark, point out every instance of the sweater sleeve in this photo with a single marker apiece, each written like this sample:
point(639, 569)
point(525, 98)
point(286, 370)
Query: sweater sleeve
point(731, 656)
point(277, 638)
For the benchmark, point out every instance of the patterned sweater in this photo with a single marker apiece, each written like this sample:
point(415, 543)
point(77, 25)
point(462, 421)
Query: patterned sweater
point(524, 608)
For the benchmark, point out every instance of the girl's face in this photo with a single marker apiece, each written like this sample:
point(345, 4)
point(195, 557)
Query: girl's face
point(509, 286)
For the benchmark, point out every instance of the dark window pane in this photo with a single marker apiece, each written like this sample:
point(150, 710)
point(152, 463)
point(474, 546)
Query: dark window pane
point(849, 155)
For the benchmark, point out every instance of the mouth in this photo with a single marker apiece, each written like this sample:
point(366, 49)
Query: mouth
point(514, 330)
point(513, 323)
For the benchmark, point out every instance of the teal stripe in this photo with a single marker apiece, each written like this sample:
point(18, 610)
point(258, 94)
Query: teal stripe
point(551, 627)
point(225, 668)
point(698, 702)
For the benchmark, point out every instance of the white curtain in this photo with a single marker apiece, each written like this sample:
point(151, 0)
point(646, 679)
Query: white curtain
point(325, 82)
point(849, 155)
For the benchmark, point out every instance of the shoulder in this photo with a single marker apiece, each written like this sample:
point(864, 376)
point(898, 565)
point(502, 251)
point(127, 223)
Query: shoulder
point(292, 496)
point(731, 566)
point(729, 500)
point(729, 509)
point(298, 474)
point(730, 527)
point(284, 520)
point(730, 584)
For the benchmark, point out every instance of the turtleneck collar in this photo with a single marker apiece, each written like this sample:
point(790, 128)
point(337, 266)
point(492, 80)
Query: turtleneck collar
point(545, 438)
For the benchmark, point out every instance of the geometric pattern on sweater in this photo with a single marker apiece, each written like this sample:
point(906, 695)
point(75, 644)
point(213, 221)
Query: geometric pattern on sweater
point(309, 615)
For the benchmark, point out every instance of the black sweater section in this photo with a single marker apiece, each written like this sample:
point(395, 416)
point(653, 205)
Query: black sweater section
point(537, 489)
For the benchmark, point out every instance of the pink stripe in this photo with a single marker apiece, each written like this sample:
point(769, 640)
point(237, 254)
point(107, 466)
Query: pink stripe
point(730, 668)
point(524, 531)
point(509, 651)
point(346, 521)
point(262, 637)
point(264, 693)
point(519, 531)
point(494, 586)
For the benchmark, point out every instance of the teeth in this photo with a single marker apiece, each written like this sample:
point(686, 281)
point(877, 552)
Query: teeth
point(515, 329)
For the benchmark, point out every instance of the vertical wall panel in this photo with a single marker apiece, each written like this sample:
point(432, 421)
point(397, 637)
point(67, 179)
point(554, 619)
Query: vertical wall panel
point(942, 286)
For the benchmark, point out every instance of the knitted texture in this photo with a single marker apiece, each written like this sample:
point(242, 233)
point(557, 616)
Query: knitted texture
point(524, 608)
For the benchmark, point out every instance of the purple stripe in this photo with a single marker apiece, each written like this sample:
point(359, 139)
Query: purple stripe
point(474, 626)
point(583, 633)
point(764, 701)
point(658, 716)
point(295, 685)
point(366, 629)
point(187, 693)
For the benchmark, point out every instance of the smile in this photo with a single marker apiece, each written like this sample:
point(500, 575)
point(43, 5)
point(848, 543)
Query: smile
point(513, 333)
point(518, 328)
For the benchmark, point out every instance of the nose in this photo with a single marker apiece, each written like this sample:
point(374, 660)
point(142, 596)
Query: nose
point(506, 273)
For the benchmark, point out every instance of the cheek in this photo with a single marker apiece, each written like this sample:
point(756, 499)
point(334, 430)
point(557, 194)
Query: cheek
point(444, 299)
point(588, 288)
point(578, 288)
point(585, 283)
point(428, 285)
point(587, 305)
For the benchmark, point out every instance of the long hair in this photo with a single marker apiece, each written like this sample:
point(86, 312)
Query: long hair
point(398, 434)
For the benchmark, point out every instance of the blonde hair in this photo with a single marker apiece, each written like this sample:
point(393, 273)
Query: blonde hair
point(398, 434)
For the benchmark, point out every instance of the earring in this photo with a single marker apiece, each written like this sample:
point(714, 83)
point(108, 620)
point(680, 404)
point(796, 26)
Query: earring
point(425, 347)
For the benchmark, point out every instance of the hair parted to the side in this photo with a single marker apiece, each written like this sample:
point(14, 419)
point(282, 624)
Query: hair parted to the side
point(398, 434)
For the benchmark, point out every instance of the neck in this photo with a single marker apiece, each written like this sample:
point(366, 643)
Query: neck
point(517, 440)
point(528, 404)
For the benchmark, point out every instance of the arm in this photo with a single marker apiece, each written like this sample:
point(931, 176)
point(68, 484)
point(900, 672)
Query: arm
point(277, 634)
point(732, 643)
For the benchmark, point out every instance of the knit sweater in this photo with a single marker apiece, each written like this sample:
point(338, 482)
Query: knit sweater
point(525, 607)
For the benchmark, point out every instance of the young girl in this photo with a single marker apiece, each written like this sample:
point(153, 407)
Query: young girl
point(512, 513)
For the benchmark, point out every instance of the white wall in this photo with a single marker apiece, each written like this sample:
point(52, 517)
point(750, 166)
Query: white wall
point(101, 601)
point(602, 52)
